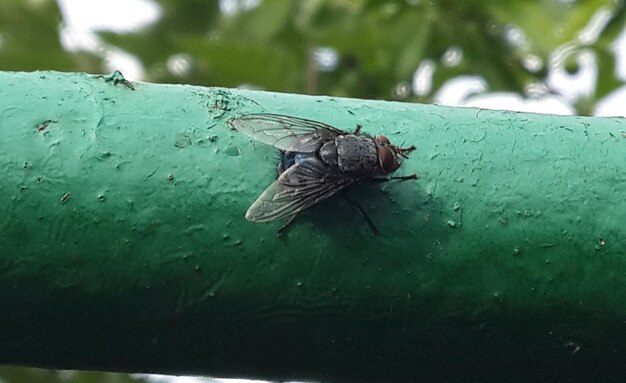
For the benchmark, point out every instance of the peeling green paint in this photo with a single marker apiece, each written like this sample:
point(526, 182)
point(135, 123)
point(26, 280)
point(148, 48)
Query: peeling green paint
point(123, 244)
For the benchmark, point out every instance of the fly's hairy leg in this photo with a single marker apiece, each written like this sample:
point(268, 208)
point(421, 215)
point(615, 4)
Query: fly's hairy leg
point(403, 151)
point(391, 178)
point(367, 218)
point(357, 131)
point(280, 231)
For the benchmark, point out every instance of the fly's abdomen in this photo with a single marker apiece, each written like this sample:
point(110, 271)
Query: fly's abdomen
point(357, 154)
point(288, 159)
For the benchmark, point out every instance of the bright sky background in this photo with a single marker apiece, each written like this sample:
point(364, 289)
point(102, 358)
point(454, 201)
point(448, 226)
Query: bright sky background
point(83, 17)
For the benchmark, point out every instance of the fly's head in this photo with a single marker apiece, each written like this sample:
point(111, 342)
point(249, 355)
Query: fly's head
point(388, 154)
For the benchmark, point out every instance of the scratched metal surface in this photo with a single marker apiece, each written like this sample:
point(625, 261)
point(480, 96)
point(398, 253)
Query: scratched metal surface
point(123, 243)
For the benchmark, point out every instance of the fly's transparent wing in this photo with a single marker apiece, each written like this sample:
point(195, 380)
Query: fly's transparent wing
point(299, 187)
point(290, 134)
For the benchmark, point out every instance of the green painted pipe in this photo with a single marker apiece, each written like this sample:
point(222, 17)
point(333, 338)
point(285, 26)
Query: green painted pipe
point(123, 243)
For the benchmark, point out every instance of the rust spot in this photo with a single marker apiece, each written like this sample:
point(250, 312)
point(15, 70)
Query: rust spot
point(66, 197)
point(41, 127)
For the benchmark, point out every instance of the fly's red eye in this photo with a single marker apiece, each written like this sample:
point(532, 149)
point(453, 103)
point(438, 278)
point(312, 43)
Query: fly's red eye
point(388, 160)
point(382, 140)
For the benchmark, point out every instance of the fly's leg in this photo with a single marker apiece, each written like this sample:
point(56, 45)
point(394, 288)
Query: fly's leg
point(402, 151)
point(390, 178)
point(367, 218)
point(289, 222)
point(357, 131)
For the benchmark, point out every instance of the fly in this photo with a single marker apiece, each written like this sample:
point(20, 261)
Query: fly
point(317, 162)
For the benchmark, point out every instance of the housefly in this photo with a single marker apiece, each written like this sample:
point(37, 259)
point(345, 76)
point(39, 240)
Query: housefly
point(317, 162)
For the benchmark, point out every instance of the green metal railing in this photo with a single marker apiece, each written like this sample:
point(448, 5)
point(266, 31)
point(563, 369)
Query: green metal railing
point(123, 242)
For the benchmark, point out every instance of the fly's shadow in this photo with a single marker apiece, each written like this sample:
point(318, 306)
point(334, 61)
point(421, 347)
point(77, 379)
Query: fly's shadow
point(356, 203)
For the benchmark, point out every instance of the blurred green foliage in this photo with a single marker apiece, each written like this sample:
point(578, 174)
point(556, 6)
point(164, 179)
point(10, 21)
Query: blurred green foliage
point(379, 44)
point(29, 39)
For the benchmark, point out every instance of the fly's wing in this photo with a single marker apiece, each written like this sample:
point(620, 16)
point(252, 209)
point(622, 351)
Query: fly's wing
point(299, 187)
point(291, 134)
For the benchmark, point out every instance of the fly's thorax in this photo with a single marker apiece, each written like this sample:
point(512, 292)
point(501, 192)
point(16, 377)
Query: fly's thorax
point(357, 154)
point(328, 153)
